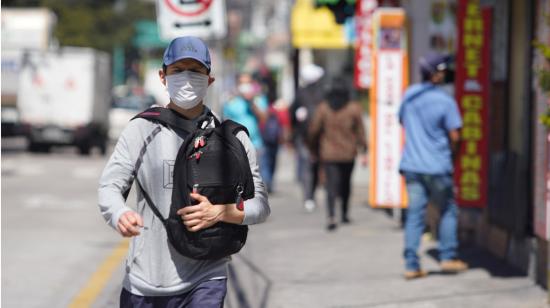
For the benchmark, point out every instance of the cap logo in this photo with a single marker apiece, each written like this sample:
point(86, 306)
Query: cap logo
point(188, 47)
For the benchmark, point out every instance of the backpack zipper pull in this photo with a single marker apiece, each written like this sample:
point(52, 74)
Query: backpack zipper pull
point(198, 155)
point(240, 202)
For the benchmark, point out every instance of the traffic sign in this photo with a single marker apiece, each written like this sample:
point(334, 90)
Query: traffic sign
point(202, 18)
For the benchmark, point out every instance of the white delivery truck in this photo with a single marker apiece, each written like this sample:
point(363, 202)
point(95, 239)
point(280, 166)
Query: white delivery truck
point(64, 98)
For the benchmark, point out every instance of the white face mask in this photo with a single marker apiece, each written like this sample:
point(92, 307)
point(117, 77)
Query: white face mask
point(187, 89)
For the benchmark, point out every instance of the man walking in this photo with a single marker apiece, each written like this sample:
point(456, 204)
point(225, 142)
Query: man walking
point(432, 125)
point(157, 275)
point(308, 97)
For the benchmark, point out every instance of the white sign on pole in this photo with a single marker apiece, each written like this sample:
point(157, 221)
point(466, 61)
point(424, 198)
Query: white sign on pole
point(202, 18)
point(388, 131)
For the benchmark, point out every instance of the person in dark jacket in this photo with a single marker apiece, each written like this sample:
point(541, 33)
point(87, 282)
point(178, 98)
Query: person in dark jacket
point(301, 111)
point(337, 130)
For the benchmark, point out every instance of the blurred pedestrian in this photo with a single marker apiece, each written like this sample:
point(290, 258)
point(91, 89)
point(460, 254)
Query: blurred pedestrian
point(338, 132)
point(247, 108)
point(272, 128)
point(157, 275)
point(308, 97)
point(432, 123)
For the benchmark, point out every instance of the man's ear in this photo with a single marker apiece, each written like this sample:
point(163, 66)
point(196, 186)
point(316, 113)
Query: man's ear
point(211, 80)
point(162, 77)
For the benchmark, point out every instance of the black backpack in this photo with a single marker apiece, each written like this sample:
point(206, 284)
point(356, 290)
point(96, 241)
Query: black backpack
point(213, 162)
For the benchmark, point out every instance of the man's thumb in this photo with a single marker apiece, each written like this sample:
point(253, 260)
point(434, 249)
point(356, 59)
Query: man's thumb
point(139, 220)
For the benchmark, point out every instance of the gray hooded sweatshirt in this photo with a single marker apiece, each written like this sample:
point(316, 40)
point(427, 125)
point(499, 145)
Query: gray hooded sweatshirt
point(153, 266)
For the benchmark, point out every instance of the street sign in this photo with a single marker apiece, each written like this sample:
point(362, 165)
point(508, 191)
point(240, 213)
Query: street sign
point(202, 18)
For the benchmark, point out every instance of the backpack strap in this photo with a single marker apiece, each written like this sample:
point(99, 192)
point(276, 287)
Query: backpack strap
point(168, 117)
point(149, 201)
point(234, 127)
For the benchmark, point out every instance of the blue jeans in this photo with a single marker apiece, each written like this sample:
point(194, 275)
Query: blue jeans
point(307, 169)
point(422, 188)
point(268, 163)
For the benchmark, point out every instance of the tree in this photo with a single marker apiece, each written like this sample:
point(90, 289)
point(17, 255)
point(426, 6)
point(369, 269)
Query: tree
point(93, 23)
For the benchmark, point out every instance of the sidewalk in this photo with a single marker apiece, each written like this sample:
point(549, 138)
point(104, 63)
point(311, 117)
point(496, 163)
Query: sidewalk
point(292, 261)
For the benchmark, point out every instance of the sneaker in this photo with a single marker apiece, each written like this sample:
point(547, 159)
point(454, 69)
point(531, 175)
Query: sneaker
point(413, 274)
point(309, 205)
point(346, 220)
point(331, 227)
point(453, 266)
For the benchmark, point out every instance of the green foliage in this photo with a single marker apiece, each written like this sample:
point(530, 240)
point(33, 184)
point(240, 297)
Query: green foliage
point(545, 118)
point(544, 77)
point(543, 49)
point(93, 23)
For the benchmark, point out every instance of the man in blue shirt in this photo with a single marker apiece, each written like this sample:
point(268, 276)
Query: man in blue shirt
point(432, 125)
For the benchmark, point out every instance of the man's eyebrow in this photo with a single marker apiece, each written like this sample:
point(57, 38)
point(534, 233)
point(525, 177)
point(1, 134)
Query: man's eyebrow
point(189, 65)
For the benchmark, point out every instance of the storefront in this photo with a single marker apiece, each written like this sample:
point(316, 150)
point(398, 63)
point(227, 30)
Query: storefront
point(510, 217)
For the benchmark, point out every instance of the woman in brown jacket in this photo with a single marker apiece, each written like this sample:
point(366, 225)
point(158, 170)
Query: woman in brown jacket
point(338, 132)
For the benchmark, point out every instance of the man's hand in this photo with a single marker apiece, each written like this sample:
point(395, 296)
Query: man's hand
point(365, 160)
point(202, 215)
point(129, 224)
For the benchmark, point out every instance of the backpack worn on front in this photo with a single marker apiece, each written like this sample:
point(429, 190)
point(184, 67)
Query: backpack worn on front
point(214, 163)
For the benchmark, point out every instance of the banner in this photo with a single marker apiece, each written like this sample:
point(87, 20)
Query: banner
point(363, 51)
point(390, 78)
point(472, 95)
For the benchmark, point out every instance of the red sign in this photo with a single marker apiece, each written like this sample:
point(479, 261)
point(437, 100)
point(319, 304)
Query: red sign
point(472, 95)
point(363, 52)
point(197, 7)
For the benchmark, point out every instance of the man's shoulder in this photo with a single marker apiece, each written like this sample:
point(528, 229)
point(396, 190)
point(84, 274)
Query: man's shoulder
point(138, 128)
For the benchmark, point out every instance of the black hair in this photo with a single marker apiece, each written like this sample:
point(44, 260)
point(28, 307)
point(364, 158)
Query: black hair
point(426, 76)
point(337, 92)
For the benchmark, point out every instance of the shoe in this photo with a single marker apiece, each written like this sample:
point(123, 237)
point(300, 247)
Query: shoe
point(453, 266)
point(413, 274)
point(346, 220)
point(309, 205)
point(331, 227)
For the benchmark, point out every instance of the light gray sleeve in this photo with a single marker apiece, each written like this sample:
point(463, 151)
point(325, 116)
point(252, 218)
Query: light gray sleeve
point(115, 180)
point(256, 210)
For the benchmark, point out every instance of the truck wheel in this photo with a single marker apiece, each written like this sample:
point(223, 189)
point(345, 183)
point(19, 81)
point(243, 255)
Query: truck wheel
point(39, 147)
point(103, 147)
point(84, 149)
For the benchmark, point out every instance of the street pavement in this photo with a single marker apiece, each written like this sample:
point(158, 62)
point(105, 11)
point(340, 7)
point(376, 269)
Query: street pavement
point(54, 240)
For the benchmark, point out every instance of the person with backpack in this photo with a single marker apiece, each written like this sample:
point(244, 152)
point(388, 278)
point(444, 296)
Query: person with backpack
point(337, 130)
point(249, 108)
point(432, 122)
point(192, 206)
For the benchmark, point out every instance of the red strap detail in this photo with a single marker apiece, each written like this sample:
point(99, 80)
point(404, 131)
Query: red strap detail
point(240, 205)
